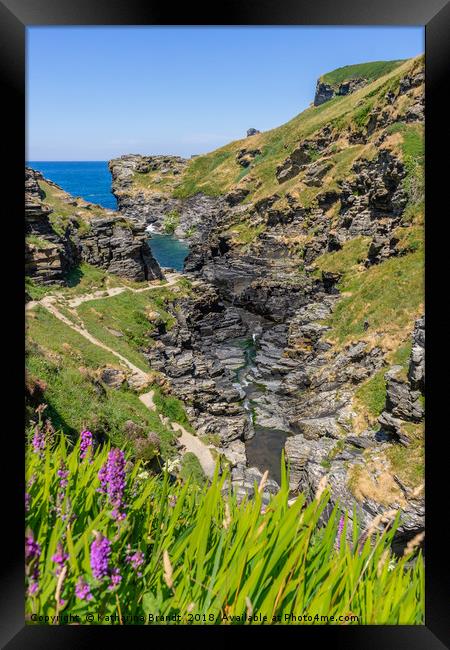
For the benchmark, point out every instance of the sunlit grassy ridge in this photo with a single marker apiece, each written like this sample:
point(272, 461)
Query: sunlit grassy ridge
point(126, 322)
point(64, 212)
point(370, 71)
point(389, 296)
point(203, 557)
point(216, 172)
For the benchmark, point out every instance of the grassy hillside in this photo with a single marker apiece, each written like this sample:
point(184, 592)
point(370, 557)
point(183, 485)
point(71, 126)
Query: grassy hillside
point(66, 207)
point(370, 71)
point(217, 172)
point(67, 368)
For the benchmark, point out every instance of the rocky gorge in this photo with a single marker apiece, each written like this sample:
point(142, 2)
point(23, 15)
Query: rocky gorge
point(294, 328)
point(302, 332)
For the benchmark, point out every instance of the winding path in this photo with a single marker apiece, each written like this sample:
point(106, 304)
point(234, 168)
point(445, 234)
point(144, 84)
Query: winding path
point(187, 440)
point(140, 378)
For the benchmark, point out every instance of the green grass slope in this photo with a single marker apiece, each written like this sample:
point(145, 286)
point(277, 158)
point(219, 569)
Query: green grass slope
point(66, 366)
point(370, 71)
point(218, 172)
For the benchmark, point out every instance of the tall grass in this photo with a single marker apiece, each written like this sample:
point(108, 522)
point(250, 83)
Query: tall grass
point(205, 558)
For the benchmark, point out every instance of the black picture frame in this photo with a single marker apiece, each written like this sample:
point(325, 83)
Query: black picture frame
point(15, 17)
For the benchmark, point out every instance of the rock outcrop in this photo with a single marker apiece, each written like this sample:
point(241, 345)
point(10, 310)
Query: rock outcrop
point(104, 238)
point(405, 392)
point(120, 248)
point(48, 256)
point(199, 363)
point(358, 466)
point(325, 92)
point(150, 208)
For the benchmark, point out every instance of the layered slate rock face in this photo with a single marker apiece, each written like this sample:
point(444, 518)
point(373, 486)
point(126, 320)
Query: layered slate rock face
point(404, 394)
point(47, 256)
point(105, 240)
point(120, 248)
point(313, 454)
point(303, 155)
point(196, 357)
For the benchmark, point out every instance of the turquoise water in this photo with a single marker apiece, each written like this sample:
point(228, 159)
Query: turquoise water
point(89, 179)
point(169, 251)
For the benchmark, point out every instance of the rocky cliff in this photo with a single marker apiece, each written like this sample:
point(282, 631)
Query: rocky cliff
point(349, 79)
point(143, 186)
point(308, 249)
point(62, 231)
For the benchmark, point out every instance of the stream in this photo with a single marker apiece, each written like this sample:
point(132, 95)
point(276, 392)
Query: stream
point(264, 449)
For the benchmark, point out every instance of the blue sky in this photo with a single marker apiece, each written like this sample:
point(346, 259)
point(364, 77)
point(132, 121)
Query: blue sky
point(96, 93)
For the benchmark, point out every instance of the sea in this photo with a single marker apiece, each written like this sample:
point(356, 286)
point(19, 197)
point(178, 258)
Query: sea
point(91, 180)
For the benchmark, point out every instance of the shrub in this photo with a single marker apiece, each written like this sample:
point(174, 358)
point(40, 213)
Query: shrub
point(191, 470)
point(171, 222)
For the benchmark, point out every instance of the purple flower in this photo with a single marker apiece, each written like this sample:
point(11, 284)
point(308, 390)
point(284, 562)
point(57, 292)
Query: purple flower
point(112, 481)
point(32, 548)
point(136, 560)
point(59, 558)
point(339, 532)
point(116, 579)
point(33, 587)
point(32, 555)
point(82, 590)
point(100, 552)
point(27, 502)
point(38, 441)
point(86, 444)
point(63, 473)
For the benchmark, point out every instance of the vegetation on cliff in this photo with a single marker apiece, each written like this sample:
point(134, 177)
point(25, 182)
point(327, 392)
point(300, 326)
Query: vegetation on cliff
point(217, 172)
point(319, 229)
point(81, 382)
point(370, 71)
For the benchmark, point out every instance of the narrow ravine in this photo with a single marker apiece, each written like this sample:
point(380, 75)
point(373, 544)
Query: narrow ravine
point(264, 448)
